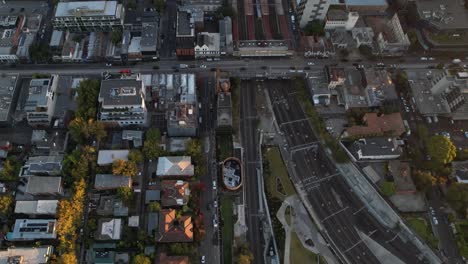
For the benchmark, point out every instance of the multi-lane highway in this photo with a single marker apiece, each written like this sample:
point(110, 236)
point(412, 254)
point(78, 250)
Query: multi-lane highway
point(344, 217)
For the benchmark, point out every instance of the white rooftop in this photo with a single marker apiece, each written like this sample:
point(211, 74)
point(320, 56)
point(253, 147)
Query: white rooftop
point(27, 254)
point(86, 8)
point(175, 166)
point(112, 228)
point(41, 207)
point(107, 157)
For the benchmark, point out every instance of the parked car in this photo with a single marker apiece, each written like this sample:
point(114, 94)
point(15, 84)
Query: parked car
point(202, 260)
point(214, 185)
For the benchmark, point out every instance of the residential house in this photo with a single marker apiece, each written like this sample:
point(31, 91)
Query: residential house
point(378, 125)
point(174, 229)
point(40, 105)
point(43, 185)
point(33, 229)
point(152, 196)
point(111, 181)
point(135, 136)
point(178, 166)
point(109, 229)
point(107, 157)
point(42, 165)
point(174, 193)
point(460, 171)
point(39, 207)
point(87, 16)
point(20, 255)
point(122, 102)
point(380, 89)
point(49, 143)
point(111, 205)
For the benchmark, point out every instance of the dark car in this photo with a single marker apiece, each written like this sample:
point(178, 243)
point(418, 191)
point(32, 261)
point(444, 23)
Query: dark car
point(264, 67)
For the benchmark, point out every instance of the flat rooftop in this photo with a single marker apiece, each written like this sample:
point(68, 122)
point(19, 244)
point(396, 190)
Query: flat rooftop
point(421, 84)
point(443, 14)
point(120, 92)
point(86, 8)
point(149, 36)
point(32, 229)
point(366, 2)
point(185, 25)
point(26, 254)
point(37, 93)
point(7, 90)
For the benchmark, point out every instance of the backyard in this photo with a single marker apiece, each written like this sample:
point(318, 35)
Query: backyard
point(420, 226)
point(227, 227)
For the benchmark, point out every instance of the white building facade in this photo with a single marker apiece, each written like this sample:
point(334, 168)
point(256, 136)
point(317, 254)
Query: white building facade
point(308, 10)
point(40, 105)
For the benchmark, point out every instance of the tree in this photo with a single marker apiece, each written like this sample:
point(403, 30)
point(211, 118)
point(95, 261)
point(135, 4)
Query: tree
point(153, 134)
point(88, 92)
point(225, 10)
point(423, 180)
point(82, 130)
point(67, 258)
point(10, 170)
point(457, 196)
point(441, 149)
point(116, 36)
point(154, 207)
point(6, 202)
point(125, 193)
point(39, 52)
point(125, 168)
point(388, 188)
point(245, 259)
point(159, 5)
point(314, 28)
point(135, 155)
point(141, 259)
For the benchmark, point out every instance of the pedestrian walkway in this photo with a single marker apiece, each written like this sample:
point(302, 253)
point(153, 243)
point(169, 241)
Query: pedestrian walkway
point(304, 228)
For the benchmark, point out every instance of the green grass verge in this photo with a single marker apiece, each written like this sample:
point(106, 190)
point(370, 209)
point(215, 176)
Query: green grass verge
point(227, 228)
point(299, 254)
point(462, 237)
point(421, 228)
point(278, 183)
point(225, 148)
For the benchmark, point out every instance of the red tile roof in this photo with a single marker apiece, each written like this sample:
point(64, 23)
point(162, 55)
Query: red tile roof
point(377, 125)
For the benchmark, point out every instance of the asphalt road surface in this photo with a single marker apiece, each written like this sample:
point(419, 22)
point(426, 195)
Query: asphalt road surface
point(343, 215)
point(248, 126)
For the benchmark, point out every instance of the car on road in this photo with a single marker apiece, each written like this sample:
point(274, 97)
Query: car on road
point(215, 223)
point(202, 260)
point(310, 63)
point(214, 185)
point(431, 58)
point(434, 219)
point(423, 58)
point(108, 64)
point(203, 66)
point(466, 134)
point(215, 204)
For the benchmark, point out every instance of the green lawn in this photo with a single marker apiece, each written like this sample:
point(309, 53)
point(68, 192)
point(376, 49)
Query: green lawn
point(227, 228)
point(225, 148)
point(277, 181)
point(298, 254)
point(420, 226)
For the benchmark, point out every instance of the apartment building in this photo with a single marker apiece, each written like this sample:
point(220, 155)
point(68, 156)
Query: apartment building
point(308, 10)
point(40, 104)
point(122, 102)
point(86, 16)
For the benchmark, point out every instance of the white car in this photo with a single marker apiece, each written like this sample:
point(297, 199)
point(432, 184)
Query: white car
point(431, 58)
point(423, 58)
point(108, 64)
point(310, 63)
point(215, 223)
point(202, 260)
point(203, 66)
point(214, 185)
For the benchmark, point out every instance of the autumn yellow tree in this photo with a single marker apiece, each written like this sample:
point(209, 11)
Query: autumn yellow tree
point(67, 258)
point(126, 168)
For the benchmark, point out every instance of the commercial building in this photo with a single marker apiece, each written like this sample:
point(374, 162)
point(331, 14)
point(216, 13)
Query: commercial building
point(185, 35)
point(207, 45)
point(175, 166)
point(340, 19)
point(111, 181)
point(379, 88)
point(438, 94)
point(390, 39)
point(149, 39)
point(33, 229)
point(317, 83)
point(40, 105)
point(174, 229)
point(40, 207)
point(8, 92)
point(23, 255)
point(86, 16)
point(122, 102)
point(182, 120)
point(205, 5)
point(226, 43)
point(308, 10)
point(174, 193)
point(377, 148)
point(368, 7)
